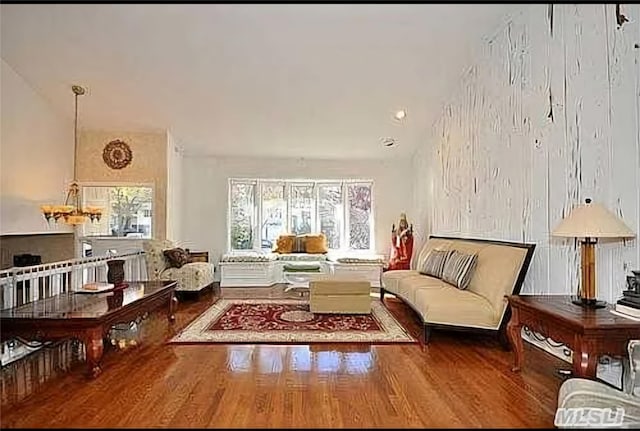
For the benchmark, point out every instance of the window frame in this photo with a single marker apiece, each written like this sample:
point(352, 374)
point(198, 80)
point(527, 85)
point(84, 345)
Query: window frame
point(347, 217)
point(314, 202)
point(255, 220)
point(85, 184)
point(315, 222)
point(285, 197)
point(344, 202)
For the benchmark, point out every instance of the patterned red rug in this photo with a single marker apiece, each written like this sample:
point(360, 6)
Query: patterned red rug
point(289, 321)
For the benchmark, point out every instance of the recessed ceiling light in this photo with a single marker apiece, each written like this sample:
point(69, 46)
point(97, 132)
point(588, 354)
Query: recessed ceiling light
point(389, 142)
point(399, 115)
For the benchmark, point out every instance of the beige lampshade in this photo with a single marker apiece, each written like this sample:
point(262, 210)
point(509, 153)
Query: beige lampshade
point(591, 220)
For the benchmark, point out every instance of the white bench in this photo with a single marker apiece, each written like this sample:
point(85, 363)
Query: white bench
point(264, 270)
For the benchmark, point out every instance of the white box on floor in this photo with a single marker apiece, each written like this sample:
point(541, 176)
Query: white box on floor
point(370, 272)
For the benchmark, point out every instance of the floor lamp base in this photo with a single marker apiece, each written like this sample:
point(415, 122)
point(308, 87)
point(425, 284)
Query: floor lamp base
point(589, 303)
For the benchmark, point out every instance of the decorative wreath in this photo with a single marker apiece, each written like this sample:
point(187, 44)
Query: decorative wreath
point(117, 154)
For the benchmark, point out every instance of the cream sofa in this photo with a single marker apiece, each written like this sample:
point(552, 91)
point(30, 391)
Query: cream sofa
point(500, 270)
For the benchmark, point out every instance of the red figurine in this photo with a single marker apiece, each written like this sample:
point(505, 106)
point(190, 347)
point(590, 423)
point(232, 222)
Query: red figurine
point(401, 244)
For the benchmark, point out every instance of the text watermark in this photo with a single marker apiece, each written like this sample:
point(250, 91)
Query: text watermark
point(589, 416)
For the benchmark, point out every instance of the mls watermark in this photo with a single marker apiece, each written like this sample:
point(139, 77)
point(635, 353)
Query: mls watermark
point(589, 416)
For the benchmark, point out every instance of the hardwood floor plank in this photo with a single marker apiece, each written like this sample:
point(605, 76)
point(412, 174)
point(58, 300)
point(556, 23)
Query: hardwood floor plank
point(458, 380)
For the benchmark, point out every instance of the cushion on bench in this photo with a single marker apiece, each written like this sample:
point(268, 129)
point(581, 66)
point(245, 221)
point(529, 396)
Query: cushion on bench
point(301, 267)
point(360, 259)
point(301, 257)
point(248, 257)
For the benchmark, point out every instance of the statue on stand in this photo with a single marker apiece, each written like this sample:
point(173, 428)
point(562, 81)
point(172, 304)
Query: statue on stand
point(401, 244)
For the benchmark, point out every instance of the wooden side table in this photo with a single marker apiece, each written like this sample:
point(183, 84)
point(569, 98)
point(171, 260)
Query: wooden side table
point(588, 332)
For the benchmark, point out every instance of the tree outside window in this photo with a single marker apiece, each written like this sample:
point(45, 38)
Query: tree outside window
point(302, 203)
point(359, 216)
point(127, 211)
point(330, 209)
point(274, 213)
point(242, 215)
point(261, 210)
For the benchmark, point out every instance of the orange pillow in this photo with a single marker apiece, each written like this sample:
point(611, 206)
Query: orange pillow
point(316, 244)
point(284, 244)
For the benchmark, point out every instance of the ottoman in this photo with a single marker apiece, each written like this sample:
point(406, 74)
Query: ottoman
point(339, 296)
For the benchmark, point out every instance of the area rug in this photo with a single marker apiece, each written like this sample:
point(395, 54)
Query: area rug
point(289, 321)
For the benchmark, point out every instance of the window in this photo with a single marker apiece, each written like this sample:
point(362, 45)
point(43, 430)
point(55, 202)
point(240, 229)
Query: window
point(242, 213)
point(302, 203)
point(127, 211)
point(274, 213)
point(330, 213)
point(261, 210)
point(359, 214)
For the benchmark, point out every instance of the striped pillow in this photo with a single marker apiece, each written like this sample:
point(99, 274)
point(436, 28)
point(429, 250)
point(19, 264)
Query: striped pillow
point(298, 244)
point(434, 263)
point(458, 269)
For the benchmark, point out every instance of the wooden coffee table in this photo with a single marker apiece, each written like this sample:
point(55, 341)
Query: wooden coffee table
point(87, 317)
point(588, 332)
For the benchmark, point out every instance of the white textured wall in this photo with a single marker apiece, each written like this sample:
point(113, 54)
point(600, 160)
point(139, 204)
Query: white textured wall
point(174, 188)
point(547, 116)
point(204, 220)
point(36, 156)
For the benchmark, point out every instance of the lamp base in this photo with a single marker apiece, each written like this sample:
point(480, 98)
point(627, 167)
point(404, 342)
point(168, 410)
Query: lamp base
point(589, 303)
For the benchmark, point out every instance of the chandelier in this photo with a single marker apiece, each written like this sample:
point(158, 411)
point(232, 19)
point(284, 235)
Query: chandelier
point(72, 211)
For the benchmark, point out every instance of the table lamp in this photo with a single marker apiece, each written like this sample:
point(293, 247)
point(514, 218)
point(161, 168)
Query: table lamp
point(591, 221)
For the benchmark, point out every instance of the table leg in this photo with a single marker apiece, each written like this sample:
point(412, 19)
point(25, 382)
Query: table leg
point(94, 347)
point(584, 363)
point(514, 331)
point(173, 303)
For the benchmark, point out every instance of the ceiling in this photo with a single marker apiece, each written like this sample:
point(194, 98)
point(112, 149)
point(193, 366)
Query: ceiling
point(315, 81)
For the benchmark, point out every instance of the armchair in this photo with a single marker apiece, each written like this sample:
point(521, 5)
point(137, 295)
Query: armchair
point(193, 276)
point(584, 393)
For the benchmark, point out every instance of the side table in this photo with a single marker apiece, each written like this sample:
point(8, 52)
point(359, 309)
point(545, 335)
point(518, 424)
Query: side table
point(588, 332)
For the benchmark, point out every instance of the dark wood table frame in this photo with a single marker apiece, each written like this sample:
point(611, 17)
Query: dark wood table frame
point(87, 317)
point(588, 332)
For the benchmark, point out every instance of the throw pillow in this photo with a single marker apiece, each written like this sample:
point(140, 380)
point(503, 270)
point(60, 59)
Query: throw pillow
point(298, 244)
point(316, 244)
point(176, 257)
point(434, 263)
point(459, 268)
point(284, 244)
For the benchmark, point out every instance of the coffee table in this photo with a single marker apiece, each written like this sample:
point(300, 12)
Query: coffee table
point(298, 275)
point(87, 317)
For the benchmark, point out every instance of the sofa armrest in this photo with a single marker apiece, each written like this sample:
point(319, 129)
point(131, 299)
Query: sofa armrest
point(634, 367)
point(584, 393)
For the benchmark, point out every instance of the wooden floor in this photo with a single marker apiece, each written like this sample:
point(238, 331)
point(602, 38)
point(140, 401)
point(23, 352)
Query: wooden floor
point(458, 380)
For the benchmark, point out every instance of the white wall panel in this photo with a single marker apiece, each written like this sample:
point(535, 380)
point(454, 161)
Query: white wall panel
point(547, 116)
